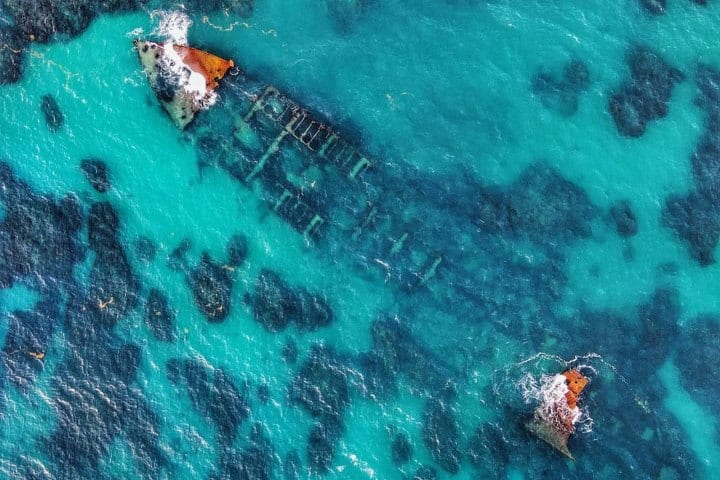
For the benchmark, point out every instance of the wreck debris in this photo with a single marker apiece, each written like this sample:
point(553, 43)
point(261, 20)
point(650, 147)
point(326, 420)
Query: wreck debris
point(183, 78)
point(554, 420)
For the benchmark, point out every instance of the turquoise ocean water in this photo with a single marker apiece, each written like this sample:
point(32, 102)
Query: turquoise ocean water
point(440, 95)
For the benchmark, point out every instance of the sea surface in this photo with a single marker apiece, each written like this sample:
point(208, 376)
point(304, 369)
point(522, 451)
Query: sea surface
point(542, 194)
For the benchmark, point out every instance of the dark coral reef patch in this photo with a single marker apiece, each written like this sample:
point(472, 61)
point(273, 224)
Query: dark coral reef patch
point(694, 216)
point(644, 97)
point(562, 94)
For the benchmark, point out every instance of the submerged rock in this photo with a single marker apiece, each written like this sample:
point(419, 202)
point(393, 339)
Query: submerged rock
point(145, 249)
point(113, 285)
point(53, 115)
point(488, 450)
point(321, 385)
point(237, 250)
point(211, 286)
point(540, 205)
point(401, 449)
point(694, 217)
point(292, 466)
point(176, 260)
point(624, 218)
point(698, 347)
point(441, 435)
point(159, 317)
point(45, 20)
point(276, 305)
point(562, 94)
point(654, 7)
point(28, 338)
point(96, 172)
point(210, 281)
point(321, 388)
point(425, 472)
point(645, 96)
point(256, 461)
point(321, 446)
point(12, 55)
point(214, 394)
point(38, 233)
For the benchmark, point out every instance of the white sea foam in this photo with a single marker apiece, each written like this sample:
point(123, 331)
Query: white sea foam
point(173, 26)
point(548, 393)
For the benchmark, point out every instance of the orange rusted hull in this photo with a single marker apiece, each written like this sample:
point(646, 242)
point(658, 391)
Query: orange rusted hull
point(576, 383)
point(210, 66)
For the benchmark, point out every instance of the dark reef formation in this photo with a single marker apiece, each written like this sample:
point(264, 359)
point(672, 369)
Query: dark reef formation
point(657, 7)
point(541, 206)
point(50, 109)
point(425, 472)
point(237, 250)
point(562, 94)
point(699, 344)
point(441, 435)
point(276, 305)
point(644, 97)
point(292, 467)
point(27, 341)
point(145, 249)
point(97, 174)
point(488, 446)
point(97, 400)
point(694, 216)
point(397, 352)
point(12, 55)
point(159, 316)
point(210, 281)
point(622, 215)
point(321, 388)
point(211, 286)
point(654, 7)
point(401, 450)
point(38, 234)
point(214, 394)
point(256, 461)
point(113, 285)
point(345, 13)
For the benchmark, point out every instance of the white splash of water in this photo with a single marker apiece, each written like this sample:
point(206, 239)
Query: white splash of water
point(173, 26)
point(548, 392)
point(134, 33)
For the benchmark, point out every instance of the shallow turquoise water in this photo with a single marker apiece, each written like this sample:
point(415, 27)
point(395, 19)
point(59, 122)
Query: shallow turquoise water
point(441, 88)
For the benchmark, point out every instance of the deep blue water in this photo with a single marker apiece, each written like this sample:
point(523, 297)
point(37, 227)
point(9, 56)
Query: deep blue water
point(541, 192)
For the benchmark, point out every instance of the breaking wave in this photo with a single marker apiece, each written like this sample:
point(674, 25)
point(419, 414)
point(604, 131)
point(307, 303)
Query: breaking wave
point(173, 26)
